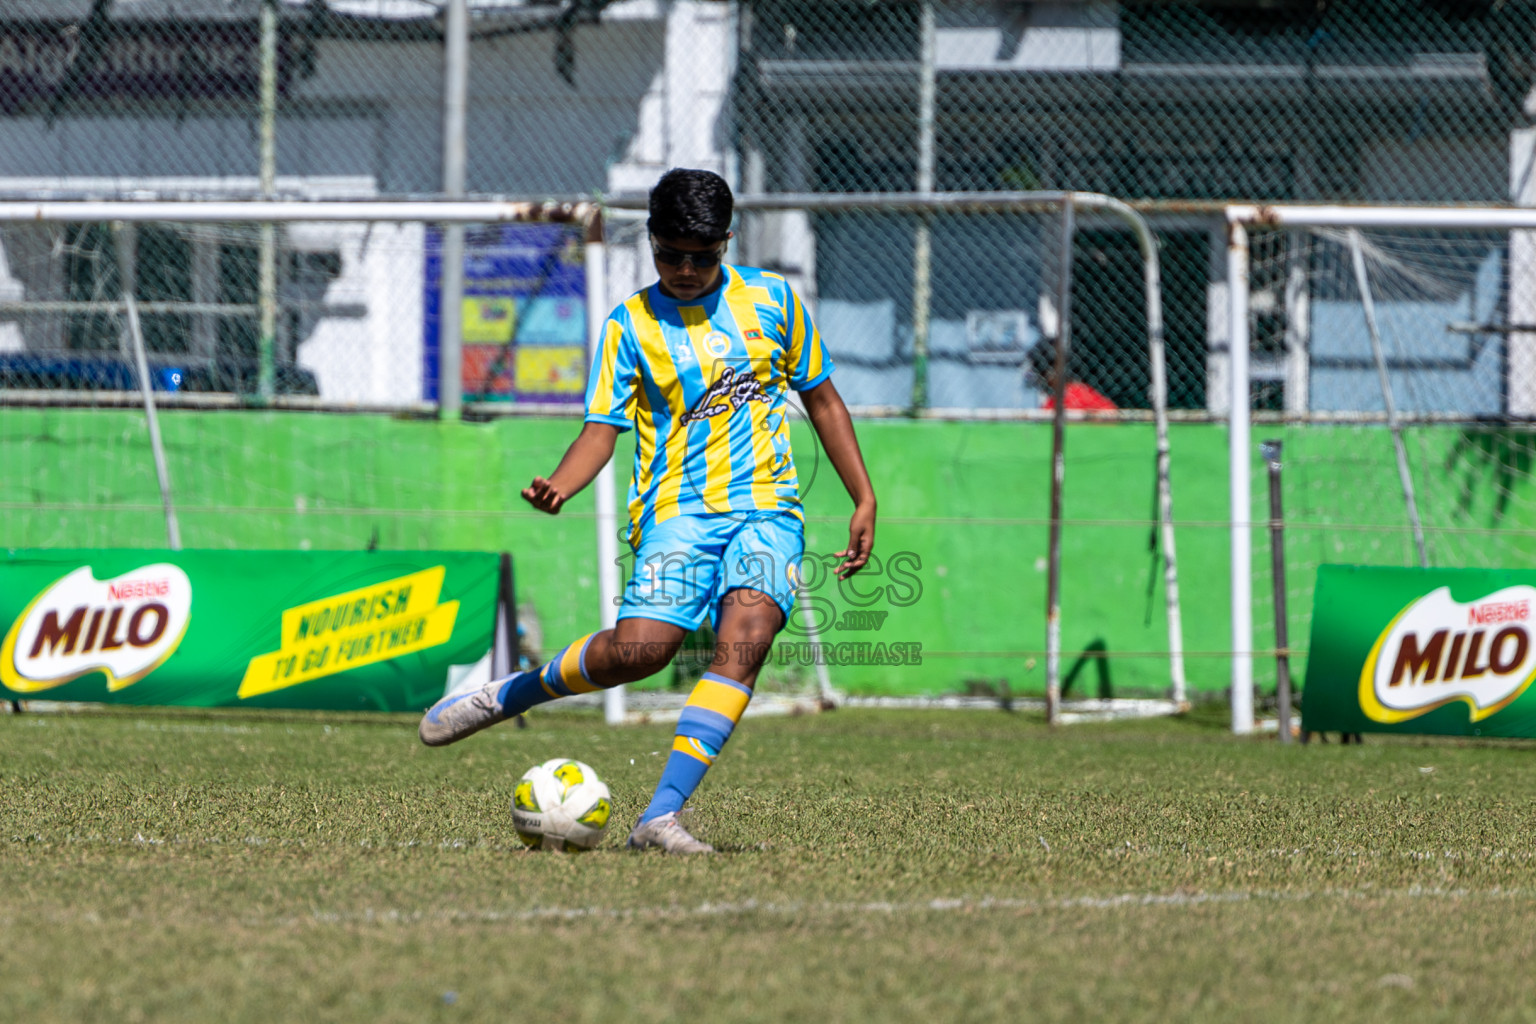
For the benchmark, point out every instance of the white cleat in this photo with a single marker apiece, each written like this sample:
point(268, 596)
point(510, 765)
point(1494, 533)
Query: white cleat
point(462, 714)
point(667, 833)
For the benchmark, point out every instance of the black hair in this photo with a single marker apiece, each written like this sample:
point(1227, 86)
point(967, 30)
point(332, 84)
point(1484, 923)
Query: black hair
point(695, 206)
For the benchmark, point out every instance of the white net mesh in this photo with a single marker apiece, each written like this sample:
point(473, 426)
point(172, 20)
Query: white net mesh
point(1445, 310)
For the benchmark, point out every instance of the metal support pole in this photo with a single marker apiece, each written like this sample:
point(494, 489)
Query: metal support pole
point(1158, 361)
point(1405, 478)
point(1058, 467)
point(135, 331)
point(922, 249)
point(927, 93)
point(1271, 451)
point(156, 443)
point(450, 336)
point(609, 584)
point(266, 345)
point(825, 695)
point(1238, 487)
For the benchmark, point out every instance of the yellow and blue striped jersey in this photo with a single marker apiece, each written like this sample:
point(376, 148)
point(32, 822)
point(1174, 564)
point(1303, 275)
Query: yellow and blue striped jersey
point(704, 383)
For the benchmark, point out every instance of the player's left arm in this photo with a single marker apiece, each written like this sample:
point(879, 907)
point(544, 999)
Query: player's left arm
point(835, 429)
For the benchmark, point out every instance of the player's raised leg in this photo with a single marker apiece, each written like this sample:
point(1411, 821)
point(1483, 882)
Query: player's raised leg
point(634, 649)
point(749, 619)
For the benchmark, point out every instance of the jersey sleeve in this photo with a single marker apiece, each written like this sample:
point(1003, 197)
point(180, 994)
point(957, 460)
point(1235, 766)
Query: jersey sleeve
point(807, 361)
point(614, 377)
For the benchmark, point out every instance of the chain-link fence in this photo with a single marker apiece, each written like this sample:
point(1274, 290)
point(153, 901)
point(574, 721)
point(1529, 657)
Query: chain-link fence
point(1391, 100)
point(1175, 105)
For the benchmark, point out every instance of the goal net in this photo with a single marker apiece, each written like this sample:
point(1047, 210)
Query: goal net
point(294, 419)
point(1391, 352)
point(178, 373)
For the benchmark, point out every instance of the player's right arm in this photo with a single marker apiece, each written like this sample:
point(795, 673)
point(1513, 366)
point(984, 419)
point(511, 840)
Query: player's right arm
point(586, 456)
point(610, 412)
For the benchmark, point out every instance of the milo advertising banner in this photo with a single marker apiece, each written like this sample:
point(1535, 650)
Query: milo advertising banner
point(292, 629)
point(1445, 651)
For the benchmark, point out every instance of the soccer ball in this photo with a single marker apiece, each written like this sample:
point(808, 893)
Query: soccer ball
point(561, 805)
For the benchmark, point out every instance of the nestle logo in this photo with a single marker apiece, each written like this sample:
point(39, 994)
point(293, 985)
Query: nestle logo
point(138, 588)
point(1498, 611)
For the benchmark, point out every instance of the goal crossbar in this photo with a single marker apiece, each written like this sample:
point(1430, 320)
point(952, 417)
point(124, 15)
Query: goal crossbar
point(260, 211)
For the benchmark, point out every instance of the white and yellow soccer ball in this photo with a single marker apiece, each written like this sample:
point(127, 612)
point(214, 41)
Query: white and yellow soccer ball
point(561, 805)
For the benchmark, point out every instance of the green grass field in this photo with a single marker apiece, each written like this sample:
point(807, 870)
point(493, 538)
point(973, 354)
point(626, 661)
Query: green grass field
point(919, 866)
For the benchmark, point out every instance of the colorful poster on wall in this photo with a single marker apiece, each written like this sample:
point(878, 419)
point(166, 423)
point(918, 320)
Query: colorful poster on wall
point(347, 630)
point(1444, 651)
point(524, 314)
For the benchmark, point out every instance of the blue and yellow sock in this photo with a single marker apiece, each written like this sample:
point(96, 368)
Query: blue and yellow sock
point(563, 675)
point(712, 711)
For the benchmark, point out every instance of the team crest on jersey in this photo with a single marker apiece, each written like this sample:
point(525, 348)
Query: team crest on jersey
point(717, 343)
point(726, 395)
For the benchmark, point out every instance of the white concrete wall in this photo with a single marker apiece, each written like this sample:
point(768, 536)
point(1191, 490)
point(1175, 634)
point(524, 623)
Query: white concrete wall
point(1218, 327)
point(376, 358)
point(1028, 37)
point(683, 122)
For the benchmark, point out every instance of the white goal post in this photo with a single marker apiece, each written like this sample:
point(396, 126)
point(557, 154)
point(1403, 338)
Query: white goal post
point(1392, 295)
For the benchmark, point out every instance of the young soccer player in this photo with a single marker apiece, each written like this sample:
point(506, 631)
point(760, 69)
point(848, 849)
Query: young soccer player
point(700, 364)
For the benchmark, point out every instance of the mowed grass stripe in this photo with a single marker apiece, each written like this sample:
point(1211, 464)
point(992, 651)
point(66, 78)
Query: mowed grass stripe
point(808, 911)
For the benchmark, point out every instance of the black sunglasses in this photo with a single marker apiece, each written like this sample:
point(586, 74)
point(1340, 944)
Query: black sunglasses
point(675, 257)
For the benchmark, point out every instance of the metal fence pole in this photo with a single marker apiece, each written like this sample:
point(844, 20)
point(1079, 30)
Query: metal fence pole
point(1058, 467)
point(922, 248)
point(1271, 450)
point(266, 343)
point(450, 337)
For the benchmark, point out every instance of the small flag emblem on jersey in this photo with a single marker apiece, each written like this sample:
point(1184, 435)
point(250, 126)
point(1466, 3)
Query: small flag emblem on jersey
point(752, 334)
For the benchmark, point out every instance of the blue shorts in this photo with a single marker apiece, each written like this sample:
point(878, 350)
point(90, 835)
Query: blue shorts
point(685, 565)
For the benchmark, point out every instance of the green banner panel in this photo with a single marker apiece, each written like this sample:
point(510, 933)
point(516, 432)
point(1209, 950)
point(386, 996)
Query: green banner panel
point(967, 499)
point(1445, 651)
point(373, 630)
